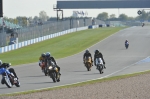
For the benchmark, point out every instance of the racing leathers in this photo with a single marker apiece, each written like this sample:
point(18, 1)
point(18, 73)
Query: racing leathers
point(126, 42)
point(3, 68)
point(52, 59)
point(41, 62)
point(87, 55)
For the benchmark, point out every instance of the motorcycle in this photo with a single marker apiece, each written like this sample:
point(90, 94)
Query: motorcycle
point(143, 25)
point(88, 63)
point(9, 80)
point(100, 65)
point(126, 45)
point(44, 68)
point(53, 72)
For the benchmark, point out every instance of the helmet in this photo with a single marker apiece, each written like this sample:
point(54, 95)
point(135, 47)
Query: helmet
point(48, 54)
point(43, 54)
point(96, 51)
point(87, 51)
point(1, 62)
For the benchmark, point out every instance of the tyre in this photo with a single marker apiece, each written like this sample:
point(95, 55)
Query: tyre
point(17, 84)
point(45, 72)
point(8, 83)
point(53, 76)
point(58, 78)
point(88, 66)
point(100, 68)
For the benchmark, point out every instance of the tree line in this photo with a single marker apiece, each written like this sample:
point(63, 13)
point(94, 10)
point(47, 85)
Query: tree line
point(43, 17)
point(25, 21)
point(123, 17)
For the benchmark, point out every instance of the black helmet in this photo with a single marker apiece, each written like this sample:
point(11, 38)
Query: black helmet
point(43, 54)
point(48, 54)
point(87, 51)
point(96, 51)
point(1, 62)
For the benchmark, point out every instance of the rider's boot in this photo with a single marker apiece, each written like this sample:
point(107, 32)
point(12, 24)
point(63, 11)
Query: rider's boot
point(104, 66)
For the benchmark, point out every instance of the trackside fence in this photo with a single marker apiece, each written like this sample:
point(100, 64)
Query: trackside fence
point(41, 38)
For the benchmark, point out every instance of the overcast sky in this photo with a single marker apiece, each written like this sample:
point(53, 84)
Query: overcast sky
point(14, 8)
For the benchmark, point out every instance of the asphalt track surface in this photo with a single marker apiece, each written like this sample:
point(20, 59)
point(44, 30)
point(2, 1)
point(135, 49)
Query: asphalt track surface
point(118, 61)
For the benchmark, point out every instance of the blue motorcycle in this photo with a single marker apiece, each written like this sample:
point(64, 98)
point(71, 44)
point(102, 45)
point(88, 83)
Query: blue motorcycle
point(8, 78)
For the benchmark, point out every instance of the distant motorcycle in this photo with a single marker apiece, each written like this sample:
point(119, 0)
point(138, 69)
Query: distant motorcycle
point(100, 65)
point(143, 25)
point(126, 45)
point(88, 63)
point(52, 71)
point(9, 80)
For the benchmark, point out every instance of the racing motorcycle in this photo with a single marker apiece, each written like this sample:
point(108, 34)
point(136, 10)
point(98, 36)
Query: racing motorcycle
point(44, 68)
point(100, 65)
point(9, 80)
point(143, 25)
point(126, 45)
point(88, 63)
point(52, 71)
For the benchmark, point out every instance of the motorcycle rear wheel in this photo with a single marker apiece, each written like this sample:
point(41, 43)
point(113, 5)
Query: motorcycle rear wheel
point(88, 66)
point(53, 76)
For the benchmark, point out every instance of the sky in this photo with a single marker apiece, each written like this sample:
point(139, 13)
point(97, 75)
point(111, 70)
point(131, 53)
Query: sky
point(31, 8)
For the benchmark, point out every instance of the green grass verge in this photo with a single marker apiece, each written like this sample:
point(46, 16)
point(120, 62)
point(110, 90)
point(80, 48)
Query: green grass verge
point(59, 47)
point(80, 84)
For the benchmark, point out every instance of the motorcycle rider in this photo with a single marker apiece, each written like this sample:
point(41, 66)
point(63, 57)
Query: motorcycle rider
point(41, 60)
point(49, 57)
point(3, 69)
point(87, 54)
point(143, 24)
point(98, 54)
point(126, 42)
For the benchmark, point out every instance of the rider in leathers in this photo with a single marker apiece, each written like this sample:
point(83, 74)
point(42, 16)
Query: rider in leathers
point(41, 60)
point(87, 54)
point(126, 42)
point(49, 57)
point(3, 68)
point(98, 55)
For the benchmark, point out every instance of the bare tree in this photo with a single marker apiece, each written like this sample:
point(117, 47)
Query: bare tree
point(43, 16)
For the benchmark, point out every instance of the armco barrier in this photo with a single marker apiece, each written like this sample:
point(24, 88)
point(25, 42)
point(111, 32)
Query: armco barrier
point(92, 26)
point(39, 39)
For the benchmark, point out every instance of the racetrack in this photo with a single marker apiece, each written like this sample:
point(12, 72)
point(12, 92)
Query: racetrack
point(118, 61)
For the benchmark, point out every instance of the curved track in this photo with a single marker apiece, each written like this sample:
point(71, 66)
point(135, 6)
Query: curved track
point(118, 61)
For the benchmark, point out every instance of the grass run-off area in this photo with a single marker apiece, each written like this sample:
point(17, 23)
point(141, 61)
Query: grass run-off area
point(59, 47)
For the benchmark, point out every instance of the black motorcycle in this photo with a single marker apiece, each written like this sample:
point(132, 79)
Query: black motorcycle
point(9, 80)
point(52, 71)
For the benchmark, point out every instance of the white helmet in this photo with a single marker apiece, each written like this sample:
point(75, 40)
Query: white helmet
point(1, 62)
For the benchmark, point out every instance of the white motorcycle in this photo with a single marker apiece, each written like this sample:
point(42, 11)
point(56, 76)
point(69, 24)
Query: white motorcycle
point(100, 65)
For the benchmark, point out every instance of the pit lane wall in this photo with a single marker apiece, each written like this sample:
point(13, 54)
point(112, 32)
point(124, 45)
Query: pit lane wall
point(39, 39)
